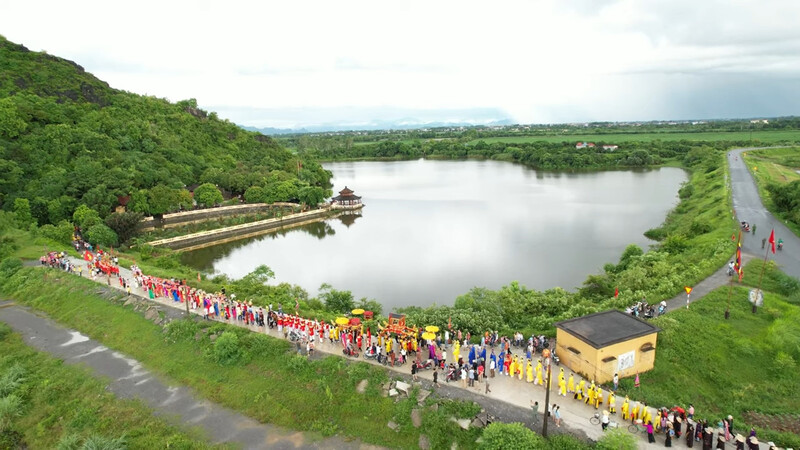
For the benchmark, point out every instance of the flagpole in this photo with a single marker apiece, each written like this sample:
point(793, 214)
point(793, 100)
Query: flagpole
point(763, 266)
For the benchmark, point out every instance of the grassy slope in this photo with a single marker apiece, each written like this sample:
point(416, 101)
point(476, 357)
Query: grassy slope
point(731, 366)
point(288, 391)
point(60, 400)
point(779, 166)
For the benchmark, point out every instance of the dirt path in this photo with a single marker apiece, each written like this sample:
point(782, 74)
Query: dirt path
point(128, 379)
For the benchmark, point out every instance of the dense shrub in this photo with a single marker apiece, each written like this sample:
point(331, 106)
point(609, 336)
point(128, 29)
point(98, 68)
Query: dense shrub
point(501, 436)
point(227, 350)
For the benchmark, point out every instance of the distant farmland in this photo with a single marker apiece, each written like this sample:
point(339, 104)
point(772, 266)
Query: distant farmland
point(756, 136)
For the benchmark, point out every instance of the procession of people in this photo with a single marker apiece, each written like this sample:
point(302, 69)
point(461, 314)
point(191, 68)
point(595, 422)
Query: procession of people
point(472, 364)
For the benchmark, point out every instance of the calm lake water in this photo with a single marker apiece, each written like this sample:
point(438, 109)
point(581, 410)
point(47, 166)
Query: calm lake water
point(432, 230)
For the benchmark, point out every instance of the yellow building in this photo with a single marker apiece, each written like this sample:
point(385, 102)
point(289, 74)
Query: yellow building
point(599, 345)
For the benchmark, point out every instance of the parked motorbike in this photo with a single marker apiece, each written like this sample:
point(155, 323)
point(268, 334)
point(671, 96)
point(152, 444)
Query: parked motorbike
point(350, 352)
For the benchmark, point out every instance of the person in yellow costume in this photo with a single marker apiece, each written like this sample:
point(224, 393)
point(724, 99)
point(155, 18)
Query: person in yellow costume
point(529, 371)
point(539, 372)
point(634, 412)
point(388, 346)
point(456, 351)
point(612, 403)
point(414, 345)
point(562, 387)
point(657, 423)
point(512, 370)
point(598, 397)
point(571, 383)
point(625, 408)
point(560, 374)
point(589, 400)
point(579, 391)
point(520, 369)
point(644, 413)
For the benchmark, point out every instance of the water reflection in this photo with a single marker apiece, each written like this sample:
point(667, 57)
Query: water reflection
point(432, 230)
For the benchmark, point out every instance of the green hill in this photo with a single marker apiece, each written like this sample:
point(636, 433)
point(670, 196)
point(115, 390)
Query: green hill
point(68, 138)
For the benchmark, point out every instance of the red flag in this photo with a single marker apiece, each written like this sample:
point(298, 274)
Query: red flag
point(198, 276)
point(616, 292)
point(772, 240)
point(733, 237)
point(449, 323)
point(636, 382)
point(87, 255)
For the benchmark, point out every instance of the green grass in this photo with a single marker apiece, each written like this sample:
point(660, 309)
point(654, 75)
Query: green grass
point(746, 363)
point(616, 138)
point(774, 166)
point(60, 400)
point(269, 384)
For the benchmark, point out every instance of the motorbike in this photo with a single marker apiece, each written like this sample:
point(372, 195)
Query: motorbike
point(426, 365)
point(451, 375)
point(662, 309)
point(347, 351)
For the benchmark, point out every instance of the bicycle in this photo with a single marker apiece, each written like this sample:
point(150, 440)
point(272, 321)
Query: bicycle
point(636, 427)
point(595, 419)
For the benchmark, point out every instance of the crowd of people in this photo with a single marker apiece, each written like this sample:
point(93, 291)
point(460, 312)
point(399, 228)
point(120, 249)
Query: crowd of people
point(473, 365)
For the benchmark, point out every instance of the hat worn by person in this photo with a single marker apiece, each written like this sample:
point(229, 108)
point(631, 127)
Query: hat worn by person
point(739, 438)
point(709, 430)
point(754, 440)
point(678, 419)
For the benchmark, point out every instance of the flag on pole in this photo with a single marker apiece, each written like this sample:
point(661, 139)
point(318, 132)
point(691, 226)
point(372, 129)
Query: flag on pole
point(636, 382)
point(198, 277)
point(772, 240)
point(87, 255)
point(449, 323)
point(616, 292)
point(733, 237)
point(296, 305)
point(688, 289)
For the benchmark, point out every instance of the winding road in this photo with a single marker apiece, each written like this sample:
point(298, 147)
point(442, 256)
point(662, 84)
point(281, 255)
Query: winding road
point(748, 207)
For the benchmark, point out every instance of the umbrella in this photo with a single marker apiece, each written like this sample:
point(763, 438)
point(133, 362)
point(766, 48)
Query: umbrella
point(432, 329)
point(342, 320)
point(358, 312)
point(429, 336)
point(355, 321)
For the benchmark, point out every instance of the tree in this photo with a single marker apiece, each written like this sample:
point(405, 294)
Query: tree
point(101, 235)
point(254, 194)
point(162, 200)
point(138, 202)
point(85, 217)
point(208, 195)
point(124, 224)
point(311, 195)
point(22, 213)
point(501, 436)
point(336, 301)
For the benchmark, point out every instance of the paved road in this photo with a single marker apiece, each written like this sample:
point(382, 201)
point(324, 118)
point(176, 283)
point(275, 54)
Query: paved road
point(748, 207)
point(130, 380)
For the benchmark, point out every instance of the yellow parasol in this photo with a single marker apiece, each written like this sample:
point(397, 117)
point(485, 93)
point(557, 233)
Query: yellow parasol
point(432, 329)
point(342, 320)
point(358, 312)
point(429, 336)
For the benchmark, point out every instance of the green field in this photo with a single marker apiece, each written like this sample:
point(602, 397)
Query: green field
point(774, 166)
point(616, 138)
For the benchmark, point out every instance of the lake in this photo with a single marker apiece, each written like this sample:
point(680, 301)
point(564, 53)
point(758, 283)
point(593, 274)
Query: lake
point(432, 230)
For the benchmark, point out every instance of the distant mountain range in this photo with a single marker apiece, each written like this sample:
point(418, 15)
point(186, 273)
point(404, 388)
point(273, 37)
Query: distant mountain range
point(402, 124)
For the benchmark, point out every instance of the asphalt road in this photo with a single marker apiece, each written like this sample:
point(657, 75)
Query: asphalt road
point(748, 207)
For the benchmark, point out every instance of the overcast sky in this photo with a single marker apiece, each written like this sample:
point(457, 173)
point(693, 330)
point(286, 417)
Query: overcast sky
point(300, 63)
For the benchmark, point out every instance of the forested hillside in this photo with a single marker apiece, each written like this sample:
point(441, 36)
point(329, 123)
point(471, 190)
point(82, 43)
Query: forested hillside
point(67, 138)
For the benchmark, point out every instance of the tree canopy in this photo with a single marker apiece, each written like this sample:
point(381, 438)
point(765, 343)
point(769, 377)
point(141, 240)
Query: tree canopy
point(68, 138)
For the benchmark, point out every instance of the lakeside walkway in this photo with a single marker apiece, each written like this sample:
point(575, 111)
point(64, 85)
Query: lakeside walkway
point(514, 392)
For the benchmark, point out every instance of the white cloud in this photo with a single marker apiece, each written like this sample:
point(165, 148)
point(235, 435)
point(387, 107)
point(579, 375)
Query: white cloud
point(536, 60)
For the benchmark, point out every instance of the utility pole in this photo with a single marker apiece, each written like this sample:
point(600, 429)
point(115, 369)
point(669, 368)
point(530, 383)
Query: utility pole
point(546, 396)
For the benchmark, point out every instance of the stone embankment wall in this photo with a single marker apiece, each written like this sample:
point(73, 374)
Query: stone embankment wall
point(203, 238)
point(202, 215)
